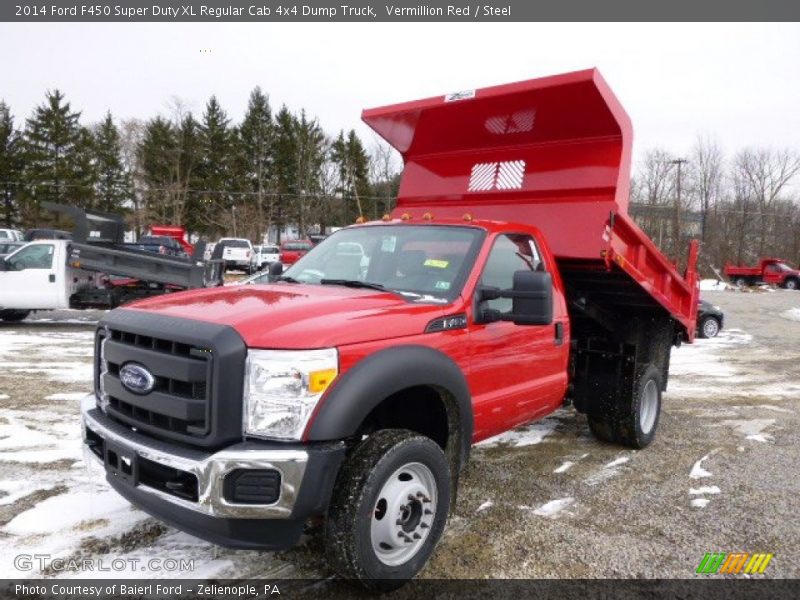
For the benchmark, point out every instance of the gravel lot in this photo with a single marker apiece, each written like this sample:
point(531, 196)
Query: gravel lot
point(544, 501)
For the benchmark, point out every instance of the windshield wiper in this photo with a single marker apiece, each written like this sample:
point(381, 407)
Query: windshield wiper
point(287, 279)
point(355, 283)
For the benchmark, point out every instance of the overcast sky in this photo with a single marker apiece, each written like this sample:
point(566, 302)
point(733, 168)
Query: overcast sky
point(740, 82)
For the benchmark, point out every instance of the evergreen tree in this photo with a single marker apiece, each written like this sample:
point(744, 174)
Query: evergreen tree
point(352, 160)
point(285, 174)
point(10, 165)
point(216, 142)
point(58, 165)
point(113, 188)
point(158, 154)
point(312, 147)
point(256, 136)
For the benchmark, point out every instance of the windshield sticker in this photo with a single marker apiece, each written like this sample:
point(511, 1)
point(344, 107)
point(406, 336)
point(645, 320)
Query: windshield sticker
point(442, 285)
point(388, 244)
point(439, 264)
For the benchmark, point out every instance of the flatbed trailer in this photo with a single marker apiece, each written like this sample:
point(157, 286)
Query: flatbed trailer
point(94, 270)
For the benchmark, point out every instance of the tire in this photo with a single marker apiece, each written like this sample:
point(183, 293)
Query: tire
point(740, 282)
point(13, 316)
point(633, 421)
point(381, 503)
point(790, 284)
point(708, 328)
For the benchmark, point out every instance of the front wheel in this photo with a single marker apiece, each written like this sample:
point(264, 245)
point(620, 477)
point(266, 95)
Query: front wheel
point(791, 284)
point(709, 327)
point(14, 316)
point(388, 510)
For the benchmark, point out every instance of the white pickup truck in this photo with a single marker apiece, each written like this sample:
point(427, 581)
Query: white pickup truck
point(237, 253)
point(38, 277)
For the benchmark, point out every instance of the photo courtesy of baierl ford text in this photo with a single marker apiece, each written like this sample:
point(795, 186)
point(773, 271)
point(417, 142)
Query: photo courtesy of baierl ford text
point(399, 299)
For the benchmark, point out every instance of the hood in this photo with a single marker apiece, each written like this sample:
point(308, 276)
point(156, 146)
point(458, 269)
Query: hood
point(296, 316)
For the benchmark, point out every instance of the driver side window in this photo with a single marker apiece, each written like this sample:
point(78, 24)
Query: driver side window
point(510, 253)
point(39, 256)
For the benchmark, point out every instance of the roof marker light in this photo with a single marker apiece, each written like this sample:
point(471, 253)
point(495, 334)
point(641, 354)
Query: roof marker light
point(427, 217)
point(406, 217)
point(360, 220)
point(387, 217)
point(467, 217)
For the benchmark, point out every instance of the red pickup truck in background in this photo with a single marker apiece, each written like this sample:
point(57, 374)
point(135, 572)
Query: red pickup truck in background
point(769, 270)
point(508, 282)
point(294, 250)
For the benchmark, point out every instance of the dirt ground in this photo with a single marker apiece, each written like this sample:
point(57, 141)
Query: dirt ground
point(544, 501)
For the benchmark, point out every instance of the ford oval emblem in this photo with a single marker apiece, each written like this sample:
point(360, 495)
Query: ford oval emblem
point(136, 378)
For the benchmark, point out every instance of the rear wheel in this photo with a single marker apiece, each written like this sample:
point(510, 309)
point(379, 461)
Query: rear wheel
point(13, 316)
point(791, 284)
point(388, 510)
point(632, 421)
point(709, 327)
point(740, 282)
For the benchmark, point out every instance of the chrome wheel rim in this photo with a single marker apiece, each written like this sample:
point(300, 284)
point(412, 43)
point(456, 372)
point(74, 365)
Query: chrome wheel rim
point(791, 284)
point(710, 328)
point(649, 407)
point(403, 514)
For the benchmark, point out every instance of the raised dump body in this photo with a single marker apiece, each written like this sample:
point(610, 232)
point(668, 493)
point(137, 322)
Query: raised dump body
point(553, 152)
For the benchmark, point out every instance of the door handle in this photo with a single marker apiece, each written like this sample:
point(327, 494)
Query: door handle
point(559, 330)
point(52, 278)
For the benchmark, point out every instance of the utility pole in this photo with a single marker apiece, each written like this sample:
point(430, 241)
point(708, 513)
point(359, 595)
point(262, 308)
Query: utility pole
point(233, 215)
point(678, 162)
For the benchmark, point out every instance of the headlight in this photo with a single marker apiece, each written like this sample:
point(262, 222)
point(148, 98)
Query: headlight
point(282, 387)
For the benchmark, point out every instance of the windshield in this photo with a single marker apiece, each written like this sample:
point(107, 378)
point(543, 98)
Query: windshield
point(421, 262)
point(782, 267)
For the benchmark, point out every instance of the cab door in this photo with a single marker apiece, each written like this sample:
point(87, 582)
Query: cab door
point(773, 273)
point(517, 372)
point(30, 280)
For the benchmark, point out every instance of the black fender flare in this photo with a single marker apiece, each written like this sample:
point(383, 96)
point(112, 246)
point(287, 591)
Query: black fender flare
point(364, 386)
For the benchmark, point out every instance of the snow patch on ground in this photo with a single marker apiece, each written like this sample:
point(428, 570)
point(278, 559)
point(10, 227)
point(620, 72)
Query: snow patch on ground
point(708, 285)
point(752, 429)
point(66, 396)
point(65, 511)
point(564, 467)
point(616, 462)
point(793, 314)
point(14, 490)
point(527, 435)
point(704, 489)
point(698, 472)
point(484, 506)
point(700, 502)
point(552, 508)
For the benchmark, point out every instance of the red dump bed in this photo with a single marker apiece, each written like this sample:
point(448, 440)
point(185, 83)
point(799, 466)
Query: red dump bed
point(553, 152)
point(177, 233)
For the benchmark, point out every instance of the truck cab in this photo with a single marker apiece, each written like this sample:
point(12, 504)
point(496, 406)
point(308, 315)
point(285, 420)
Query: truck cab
point(509, 281)
point(37, 276)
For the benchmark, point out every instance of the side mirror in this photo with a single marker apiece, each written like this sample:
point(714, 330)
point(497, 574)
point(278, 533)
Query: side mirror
point(532, 300)
point(275, 271)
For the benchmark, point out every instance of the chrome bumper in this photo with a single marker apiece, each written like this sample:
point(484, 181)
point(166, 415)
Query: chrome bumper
point(209, 469)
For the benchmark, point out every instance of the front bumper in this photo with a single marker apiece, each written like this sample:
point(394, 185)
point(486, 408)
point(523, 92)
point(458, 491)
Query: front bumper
point(307, 474)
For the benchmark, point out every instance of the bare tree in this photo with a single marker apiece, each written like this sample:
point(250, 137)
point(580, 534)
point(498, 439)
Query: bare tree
point(706, 176)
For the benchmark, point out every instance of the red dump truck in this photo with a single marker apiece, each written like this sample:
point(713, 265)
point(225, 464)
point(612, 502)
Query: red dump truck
point(508, 282)
point(769, 270)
